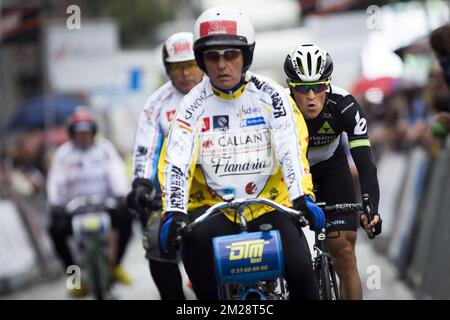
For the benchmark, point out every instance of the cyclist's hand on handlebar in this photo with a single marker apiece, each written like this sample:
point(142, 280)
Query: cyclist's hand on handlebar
point(141, 195)
point(374, 227)
point(313, 213)
point(169, 229)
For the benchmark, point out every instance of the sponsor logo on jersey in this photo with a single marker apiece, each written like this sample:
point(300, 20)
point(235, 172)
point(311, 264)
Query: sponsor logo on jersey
point(239, 153)
point(361, 125)
point(207, 144)
point(277, 102)
point(176, 188)
point(197, 196)
point(278, 106)
point(249, 111)
point(273, 193)
point(321, 140)
point(338, 221)
point(221, 123)
point(140, 160)
point(347, 107)
point(288, 165)
point(252, 122)
point(189, 111)
point(206, 124)
point(258, 138)
point(142, 150)
point(170, 114)
point(185, 126)
point(250, 188)
point(326, 129)
point(233, 153)
point(227, 167)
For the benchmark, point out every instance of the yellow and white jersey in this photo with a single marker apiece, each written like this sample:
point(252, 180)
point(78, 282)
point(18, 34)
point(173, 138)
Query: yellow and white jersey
point(250, 143)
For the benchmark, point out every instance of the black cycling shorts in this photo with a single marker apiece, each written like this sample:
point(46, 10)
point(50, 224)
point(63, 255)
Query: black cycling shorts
point(334, 184)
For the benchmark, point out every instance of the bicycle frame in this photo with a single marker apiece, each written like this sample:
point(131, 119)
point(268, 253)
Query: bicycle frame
point(323, 265)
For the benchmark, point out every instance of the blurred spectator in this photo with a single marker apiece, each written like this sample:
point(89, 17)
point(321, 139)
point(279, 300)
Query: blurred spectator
point(29, 165)
point(440, 43)
point(3, 177)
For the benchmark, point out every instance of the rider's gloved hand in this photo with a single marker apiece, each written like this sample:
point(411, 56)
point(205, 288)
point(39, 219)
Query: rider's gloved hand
point(141, 195)
point(169, 226)
point(313, 213)
point(374, 227)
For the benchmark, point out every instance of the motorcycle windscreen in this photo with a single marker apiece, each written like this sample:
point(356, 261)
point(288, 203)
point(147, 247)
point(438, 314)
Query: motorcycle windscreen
point(248, 257)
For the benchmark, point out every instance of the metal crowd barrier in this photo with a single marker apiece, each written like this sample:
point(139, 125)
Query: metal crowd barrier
point(423, 258)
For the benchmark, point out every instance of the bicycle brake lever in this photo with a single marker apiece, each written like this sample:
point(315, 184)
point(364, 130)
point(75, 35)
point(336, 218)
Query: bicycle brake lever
point(367, 210)
point(303, 221)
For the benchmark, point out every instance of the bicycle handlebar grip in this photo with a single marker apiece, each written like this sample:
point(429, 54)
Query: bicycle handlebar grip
point(303, 221)
point(299, 218)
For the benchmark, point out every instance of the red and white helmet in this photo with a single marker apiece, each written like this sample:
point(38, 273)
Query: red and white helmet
point(81, 120)
point(224, 26)
point(178, 48)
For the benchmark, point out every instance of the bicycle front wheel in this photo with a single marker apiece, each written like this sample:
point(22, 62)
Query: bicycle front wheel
point(98, 275)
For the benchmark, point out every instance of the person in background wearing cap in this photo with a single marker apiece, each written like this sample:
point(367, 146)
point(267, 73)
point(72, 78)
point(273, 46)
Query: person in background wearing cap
point(83, 166)
point(154, 121)
point(236, 134)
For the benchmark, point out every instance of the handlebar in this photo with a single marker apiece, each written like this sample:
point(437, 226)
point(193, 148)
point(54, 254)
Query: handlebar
point(239, 204)
point(91, 201)
point(365, 206)
point(340, 207)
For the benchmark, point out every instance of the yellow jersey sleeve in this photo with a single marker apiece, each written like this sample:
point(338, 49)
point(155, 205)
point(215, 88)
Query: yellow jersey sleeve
point(302, 130)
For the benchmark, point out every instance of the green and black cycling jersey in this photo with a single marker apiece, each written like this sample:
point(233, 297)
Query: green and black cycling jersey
point(342, 113)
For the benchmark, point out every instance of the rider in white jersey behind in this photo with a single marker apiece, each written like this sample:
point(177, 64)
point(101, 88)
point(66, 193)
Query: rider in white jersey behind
point(154, 121)
point(87, 165)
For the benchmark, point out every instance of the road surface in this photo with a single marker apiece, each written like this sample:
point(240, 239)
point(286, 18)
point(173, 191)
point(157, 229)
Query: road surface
point(378, 277)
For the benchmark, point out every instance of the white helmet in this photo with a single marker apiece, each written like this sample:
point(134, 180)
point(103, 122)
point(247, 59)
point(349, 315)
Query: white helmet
point(308, 63)
point(224, 26)
point(178, 48)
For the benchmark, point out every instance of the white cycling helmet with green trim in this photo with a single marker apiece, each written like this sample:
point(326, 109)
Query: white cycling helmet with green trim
point(308, 63)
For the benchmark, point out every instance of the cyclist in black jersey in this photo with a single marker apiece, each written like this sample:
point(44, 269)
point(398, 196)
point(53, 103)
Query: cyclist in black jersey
point(329, 111)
